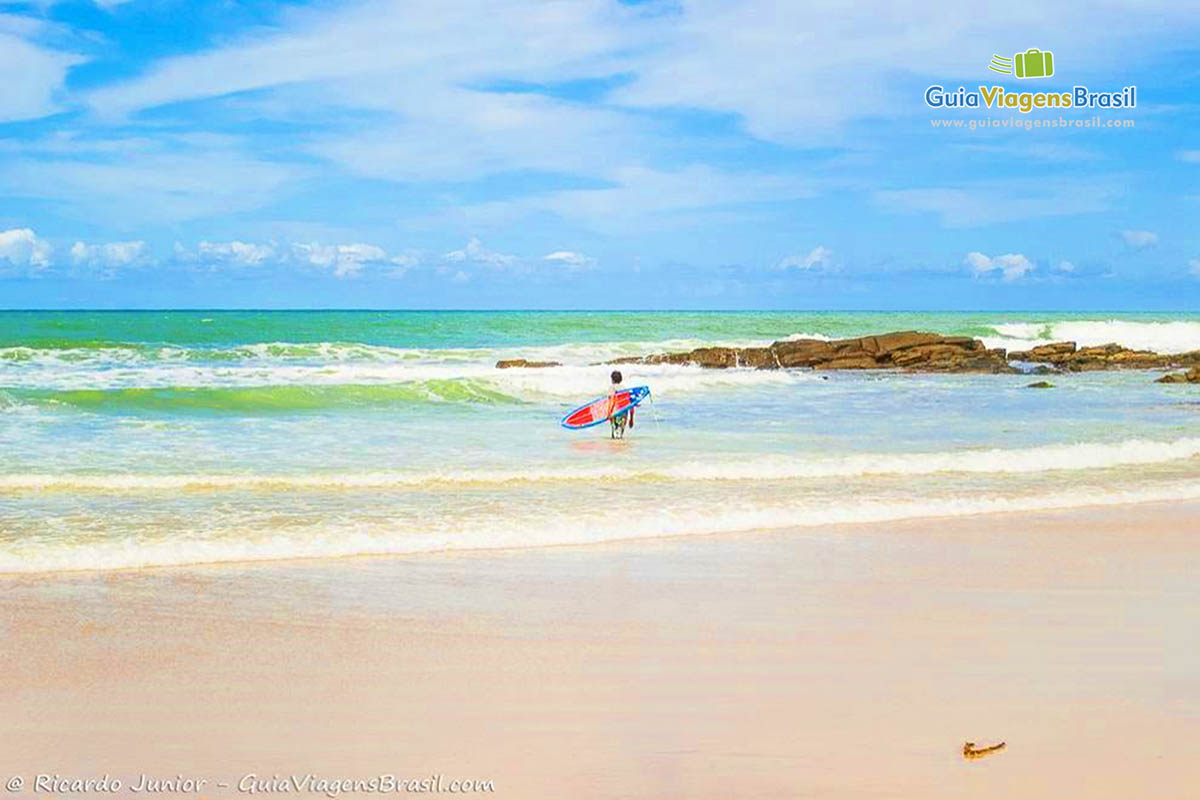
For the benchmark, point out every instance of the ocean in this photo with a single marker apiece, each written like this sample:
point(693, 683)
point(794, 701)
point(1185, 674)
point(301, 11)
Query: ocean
point(142, 438)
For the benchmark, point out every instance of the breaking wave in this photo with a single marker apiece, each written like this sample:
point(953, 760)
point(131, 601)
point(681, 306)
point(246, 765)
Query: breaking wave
point(1047, 458)
point(332, 540)
point(1161, 337)
point(259, 399)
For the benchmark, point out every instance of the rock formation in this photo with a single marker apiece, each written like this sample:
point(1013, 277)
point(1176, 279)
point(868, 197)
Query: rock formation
point(911, 350)
point(1191, 376)
point(1066, 356)
point(520, 362)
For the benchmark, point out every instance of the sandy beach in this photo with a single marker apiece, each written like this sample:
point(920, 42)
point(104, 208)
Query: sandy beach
point(599, 399)
point(847, 662)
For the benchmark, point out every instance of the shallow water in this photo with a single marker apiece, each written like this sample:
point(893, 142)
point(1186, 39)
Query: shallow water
point(133, 438)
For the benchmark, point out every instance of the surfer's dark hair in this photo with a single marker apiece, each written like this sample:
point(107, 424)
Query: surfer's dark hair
point(616, 376)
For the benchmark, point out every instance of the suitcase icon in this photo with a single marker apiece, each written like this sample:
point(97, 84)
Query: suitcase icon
point(1034, 63)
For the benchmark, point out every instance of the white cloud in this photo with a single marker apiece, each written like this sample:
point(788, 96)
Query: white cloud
point(1194, 265)
point(34, 73)
point(404, 262)
point(452, 133)
point(569, 259)
point(842, 61)
point(108, 256)
point(24, 250)
point(171, 179)
point(237, 253)
point(1139, 240)
point(1011, 266)
point(673, 198)
point(832, 62)
point(819, 257)
point(476, 253)
point(991, 202)
point(1064, 266)
point(511, 39)
point(1190, 156)
point(345, 260)
point(408, 91)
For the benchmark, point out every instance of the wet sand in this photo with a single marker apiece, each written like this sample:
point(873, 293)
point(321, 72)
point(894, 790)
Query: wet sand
point(842, 662)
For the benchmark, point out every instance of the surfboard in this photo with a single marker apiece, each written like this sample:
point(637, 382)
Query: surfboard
point(597, 411)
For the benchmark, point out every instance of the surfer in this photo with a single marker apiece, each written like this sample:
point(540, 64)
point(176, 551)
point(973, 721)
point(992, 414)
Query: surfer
point(619, 421)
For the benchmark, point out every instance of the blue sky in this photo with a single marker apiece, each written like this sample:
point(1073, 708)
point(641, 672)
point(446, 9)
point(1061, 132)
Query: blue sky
point(590, 154)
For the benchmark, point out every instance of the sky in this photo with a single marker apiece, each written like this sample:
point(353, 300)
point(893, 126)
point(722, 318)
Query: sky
point(593, 154)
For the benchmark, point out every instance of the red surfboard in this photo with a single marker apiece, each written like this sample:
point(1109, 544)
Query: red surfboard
point(602, 408)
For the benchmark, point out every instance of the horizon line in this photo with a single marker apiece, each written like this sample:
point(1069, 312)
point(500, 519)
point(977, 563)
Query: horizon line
point(319, 309)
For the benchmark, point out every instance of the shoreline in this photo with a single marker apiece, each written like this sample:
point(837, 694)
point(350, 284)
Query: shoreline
point(1156, 503)
point(852, 661)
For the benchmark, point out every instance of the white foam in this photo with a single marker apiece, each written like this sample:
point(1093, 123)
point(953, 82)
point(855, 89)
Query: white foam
point(335, 540)
point(1047, 458)
point(569, 383)
point(1161, 337)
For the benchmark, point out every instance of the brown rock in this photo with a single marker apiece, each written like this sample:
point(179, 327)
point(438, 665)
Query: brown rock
point(802, 352)
point(1066, 355)
point(886, 343)
point(758, 357)
point(850, 362)
point(1041, 385)
point(909, 350)
point(1191, 376)
point(952, 356)
point(1053, 353)
point(906, 349)
point(1189, 359)
point(1113, 356)
point(710, 357)
point(923, 353)
point(520, 362)
point(715, 358)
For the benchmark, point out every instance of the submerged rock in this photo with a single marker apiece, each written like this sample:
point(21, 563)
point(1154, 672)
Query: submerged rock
point(1040, 385)
point(1191, 376)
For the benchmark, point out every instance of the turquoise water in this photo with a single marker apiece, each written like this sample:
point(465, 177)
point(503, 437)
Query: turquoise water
point(134, 438)
point(487, 329)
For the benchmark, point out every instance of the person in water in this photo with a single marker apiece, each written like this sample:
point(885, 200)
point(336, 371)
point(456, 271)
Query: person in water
point(619, 421)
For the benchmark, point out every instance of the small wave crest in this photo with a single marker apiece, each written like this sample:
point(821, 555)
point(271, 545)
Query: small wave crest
point(1161, 337)
point(334, 540)
point(1048, 458)
point(284, 387)
point(260, 399)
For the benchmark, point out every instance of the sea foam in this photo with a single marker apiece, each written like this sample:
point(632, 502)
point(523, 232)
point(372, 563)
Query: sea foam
point(1046, 458)
point(344, 540)
point(1160, 337)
